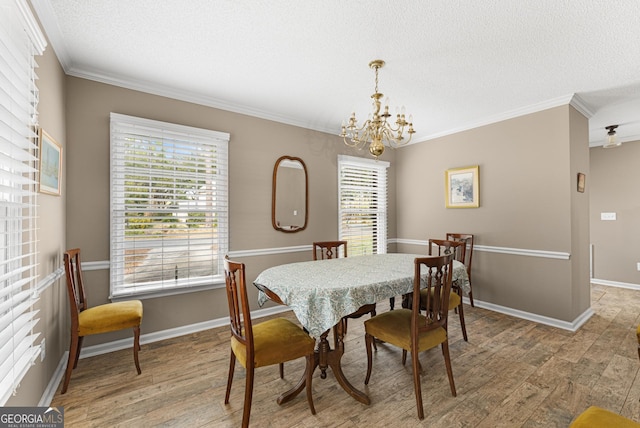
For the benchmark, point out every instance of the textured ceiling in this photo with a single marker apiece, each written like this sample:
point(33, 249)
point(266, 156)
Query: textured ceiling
point(453, 64)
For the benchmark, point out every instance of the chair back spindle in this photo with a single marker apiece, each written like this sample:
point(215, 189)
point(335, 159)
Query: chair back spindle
point(239, 309)
point(442, 247)
point(75, 284)
point(433, 274)
point(329, 250)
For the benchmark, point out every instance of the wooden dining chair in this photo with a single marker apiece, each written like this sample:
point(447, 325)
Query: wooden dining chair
point(409, 329)
point(467, 238)
point(440, 247)
point(86, 321)
point(325, 250)
point(267, 343)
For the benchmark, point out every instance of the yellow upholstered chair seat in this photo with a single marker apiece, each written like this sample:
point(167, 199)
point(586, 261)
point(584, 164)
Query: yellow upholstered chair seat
point(275, 341)
point(597, 417)
point(110, 317)
point(395, 327)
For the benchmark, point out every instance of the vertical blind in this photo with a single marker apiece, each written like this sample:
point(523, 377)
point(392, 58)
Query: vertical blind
point(20, 40)
point(362, 193)
point(169, 206)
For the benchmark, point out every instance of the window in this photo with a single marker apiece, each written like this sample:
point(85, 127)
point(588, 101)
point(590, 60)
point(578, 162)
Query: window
point(20, 40)
point(362, 195)
point(169, 211)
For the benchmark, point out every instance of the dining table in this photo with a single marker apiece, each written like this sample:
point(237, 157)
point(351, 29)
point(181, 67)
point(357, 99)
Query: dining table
point(322, 292)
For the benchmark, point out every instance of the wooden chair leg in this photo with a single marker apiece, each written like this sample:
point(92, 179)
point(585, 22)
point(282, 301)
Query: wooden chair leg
point(416, 382)
point(248, 396)
point(404, 357)
point(462, 324)
point(373, 314)
point(447, 363)
point(369, 342)
point(74, 350)
point(281, 370)
point(309, 378)
point(471, 294)
point(77, 357)
point(136, 347)
point(232, 367)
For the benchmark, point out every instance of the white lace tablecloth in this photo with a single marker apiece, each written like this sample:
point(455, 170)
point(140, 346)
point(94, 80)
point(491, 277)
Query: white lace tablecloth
point(321, 292)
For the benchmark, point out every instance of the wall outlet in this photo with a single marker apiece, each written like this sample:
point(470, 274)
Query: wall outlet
point(607, 216)
point(42, 351)
point(638, 267)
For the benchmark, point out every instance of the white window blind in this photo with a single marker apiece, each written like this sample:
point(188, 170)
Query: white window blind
point(169, 207)
point(20, 40)
point(362, 194)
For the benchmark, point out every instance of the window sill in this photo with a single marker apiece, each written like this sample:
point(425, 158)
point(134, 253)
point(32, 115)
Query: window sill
point(167, 292)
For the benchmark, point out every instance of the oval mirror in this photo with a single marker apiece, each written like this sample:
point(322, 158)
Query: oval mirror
point(289, 203)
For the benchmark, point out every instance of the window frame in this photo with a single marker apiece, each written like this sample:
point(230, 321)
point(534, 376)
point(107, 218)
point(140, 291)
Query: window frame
point(168, 136)
point(353, 164)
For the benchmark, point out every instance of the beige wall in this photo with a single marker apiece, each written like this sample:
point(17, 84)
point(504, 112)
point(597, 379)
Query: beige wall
point(613, 188)
point(527, 191)
point(580, 296)
point(255, 145)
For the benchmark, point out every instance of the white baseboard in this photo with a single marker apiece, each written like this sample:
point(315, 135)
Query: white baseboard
point(615, 283)
point(117, 345)
point(52, 387)
point(565, 325)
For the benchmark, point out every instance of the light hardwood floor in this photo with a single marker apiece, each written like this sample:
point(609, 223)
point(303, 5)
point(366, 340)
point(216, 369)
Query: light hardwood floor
point(511, 373)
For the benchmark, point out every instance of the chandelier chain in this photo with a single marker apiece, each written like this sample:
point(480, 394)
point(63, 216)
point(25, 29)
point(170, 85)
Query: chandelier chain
point(376, 89)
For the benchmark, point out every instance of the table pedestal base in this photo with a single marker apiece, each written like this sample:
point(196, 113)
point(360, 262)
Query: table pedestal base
point(326, 357)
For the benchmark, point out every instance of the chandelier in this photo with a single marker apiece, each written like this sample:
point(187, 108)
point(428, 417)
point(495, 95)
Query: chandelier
point(377, 130)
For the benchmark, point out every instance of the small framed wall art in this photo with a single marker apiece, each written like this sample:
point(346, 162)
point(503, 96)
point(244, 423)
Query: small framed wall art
point(581, 182)
point(50, 164)
point(462, 187)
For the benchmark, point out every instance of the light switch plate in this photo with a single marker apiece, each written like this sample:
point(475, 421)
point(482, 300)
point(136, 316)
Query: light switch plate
point(607, 216)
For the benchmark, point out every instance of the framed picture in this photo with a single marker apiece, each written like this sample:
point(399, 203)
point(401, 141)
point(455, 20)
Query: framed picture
point(462, 187)
point(50, 164)
point(581, 181)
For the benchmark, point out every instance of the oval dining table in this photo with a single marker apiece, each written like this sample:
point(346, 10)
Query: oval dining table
point(322, 292)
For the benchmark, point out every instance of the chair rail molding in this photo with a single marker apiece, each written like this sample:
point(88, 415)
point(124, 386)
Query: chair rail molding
point(501, 250)
point(104, 264)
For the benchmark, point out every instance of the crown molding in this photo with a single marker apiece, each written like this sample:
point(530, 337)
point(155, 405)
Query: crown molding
point(579, 104)
point(191, 97)
point(511, 114)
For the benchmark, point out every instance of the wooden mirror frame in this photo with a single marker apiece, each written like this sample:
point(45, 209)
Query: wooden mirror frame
point(274, 222)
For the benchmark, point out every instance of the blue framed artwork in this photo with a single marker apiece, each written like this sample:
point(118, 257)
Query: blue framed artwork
point(50, 164)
